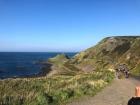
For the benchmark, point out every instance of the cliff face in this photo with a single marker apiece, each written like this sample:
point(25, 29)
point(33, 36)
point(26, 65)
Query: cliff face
point(110, 52)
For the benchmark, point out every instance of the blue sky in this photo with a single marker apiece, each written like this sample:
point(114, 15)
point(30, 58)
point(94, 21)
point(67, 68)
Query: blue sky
point(64, 25)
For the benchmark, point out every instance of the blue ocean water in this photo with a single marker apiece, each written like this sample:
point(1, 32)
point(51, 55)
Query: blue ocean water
point(16, 64)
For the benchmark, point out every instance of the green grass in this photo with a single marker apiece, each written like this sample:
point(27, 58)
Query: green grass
point(55, 90)
point(136, 70)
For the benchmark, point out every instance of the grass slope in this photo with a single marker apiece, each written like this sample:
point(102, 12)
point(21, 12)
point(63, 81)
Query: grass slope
point(56, 90)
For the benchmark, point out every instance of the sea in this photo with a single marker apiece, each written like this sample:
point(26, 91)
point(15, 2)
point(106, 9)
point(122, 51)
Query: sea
point(20, 64)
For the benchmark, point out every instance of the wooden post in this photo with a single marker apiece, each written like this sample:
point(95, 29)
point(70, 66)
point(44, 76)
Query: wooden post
point(137, 91)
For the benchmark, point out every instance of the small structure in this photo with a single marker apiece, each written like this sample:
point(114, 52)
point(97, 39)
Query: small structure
point(122, 71)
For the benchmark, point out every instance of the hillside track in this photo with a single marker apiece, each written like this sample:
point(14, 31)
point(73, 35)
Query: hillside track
point(117, 93)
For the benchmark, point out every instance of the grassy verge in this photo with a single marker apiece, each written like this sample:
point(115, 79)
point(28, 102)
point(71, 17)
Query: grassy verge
point(55, 90)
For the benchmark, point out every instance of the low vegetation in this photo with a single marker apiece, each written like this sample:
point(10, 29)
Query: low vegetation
point(56, 90)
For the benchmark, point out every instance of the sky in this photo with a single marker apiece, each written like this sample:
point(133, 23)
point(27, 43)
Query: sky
point(64, 25)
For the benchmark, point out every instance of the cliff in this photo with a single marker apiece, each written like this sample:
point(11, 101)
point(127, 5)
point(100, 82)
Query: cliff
point(110, 52)
point(107, 54)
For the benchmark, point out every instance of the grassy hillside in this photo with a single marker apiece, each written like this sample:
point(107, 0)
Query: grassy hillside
point(56, 90)
point(110, 52)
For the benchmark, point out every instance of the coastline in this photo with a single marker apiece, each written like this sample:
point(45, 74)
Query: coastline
point(39, 62)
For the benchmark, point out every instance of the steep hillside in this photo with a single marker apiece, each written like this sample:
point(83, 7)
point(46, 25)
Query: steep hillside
point(110, 52)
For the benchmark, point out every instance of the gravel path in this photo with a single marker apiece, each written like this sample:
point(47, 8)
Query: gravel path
point(118, 93)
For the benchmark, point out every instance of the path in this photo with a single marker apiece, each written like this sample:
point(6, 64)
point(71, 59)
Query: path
point(118, 93)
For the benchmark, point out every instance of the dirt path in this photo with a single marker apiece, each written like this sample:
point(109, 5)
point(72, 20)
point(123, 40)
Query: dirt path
point(118, 93)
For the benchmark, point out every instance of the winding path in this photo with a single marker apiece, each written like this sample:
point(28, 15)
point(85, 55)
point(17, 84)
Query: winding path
point(117, 93)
